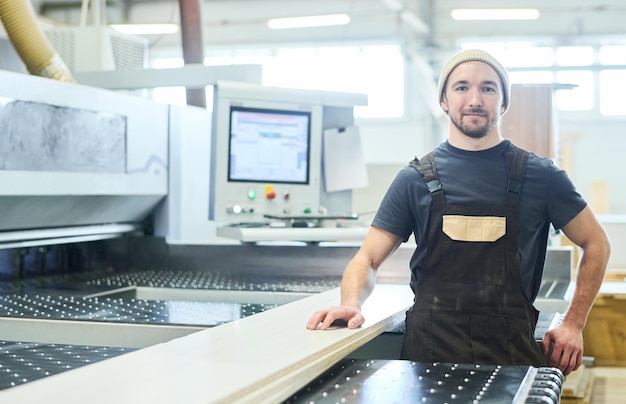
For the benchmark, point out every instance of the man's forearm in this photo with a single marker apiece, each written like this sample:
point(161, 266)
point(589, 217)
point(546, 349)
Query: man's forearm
point(589, 278)
point(358, 282)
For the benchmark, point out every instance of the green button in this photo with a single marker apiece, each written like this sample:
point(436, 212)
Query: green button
point(251, 194)
point(307, 210)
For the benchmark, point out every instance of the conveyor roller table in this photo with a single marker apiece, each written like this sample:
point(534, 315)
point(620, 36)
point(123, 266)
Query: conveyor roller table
point(397, 381)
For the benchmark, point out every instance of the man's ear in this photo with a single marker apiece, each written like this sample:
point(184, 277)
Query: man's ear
point(444, 103)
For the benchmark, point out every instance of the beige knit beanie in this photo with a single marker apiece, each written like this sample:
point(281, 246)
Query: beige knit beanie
point(469, 55)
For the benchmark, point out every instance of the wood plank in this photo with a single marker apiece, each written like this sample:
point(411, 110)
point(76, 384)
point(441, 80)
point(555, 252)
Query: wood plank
point(609, 385)
point(577, 383)
point(529, 123)
point(606, 326)
point(259, 359)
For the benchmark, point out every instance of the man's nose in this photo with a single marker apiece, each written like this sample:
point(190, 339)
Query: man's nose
point(475, 98)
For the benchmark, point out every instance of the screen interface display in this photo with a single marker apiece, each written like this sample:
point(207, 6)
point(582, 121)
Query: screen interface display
point(269, 145)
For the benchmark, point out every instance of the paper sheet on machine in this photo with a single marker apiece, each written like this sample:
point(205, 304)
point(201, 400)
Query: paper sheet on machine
point(343, 161)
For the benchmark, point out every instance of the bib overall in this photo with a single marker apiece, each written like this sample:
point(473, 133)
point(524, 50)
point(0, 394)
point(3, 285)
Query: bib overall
point(469, 304)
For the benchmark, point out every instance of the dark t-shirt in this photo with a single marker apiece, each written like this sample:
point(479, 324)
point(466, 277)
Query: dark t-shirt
point(479, 177)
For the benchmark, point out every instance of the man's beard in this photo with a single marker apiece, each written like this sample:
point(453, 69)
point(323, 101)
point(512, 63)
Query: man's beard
point(475, 132)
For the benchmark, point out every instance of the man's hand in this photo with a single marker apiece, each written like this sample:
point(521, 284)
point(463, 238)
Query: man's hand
point(567, 354)
point(352, 317)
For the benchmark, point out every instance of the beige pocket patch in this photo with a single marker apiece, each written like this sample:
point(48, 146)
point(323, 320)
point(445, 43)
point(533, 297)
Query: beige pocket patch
point(474, 228)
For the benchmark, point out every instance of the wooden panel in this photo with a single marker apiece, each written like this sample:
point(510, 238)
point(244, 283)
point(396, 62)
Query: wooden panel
point(264, 358)
point(577, 386)
point(606, 326)
point(597, 385)
point(529, 121)
point(609, 385)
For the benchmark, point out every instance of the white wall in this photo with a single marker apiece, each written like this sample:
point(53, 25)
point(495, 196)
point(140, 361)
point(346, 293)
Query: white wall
point(598, 154)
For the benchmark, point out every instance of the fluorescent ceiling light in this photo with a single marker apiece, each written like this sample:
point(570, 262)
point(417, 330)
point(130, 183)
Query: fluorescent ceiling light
point(310, 21)
point(394, 5)
point(145, 29)
point(495, 14)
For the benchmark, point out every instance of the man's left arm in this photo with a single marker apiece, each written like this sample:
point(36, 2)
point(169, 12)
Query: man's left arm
point(585, 231)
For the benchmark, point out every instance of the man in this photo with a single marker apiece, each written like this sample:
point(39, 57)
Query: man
point(480, 209)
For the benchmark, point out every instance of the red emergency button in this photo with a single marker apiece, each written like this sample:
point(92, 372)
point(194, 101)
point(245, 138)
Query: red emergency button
point(269, 192)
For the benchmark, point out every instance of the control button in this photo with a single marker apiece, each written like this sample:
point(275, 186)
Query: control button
point(252, 194)
point(269, 192)
point(307, 210)
point(247, 209)
point(286, 196)
point(236, 209)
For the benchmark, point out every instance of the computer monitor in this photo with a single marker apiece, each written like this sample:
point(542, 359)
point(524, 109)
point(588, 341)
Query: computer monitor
point(266, 153)
point(269, 145)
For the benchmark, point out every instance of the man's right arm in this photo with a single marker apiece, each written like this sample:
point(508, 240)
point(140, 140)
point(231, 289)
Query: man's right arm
point(358, 281)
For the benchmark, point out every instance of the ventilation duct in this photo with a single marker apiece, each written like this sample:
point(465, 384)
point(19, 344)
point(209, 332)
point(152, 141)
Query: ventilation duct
point(30, 43)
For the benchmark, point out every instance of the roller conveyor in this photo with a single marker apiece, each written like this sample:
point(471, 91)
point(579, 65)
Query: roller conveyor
point(107, 309)
point(85, 283)
point(23, 362)
point(125, 310)
point(207, 374)
point(396, 381)
point(35, 302)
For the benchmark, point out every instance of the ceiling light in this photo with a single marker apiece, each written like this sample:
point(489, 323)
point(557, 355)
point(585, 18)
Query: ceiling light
point(495, 14)
point(310, 21)
point(394, 5)
point(145, 29)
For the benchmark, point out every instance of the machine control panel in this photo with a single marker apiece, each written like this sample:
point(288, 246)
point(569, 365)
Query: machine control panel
point(266, 157)
point(257, 201)
point(266, 163)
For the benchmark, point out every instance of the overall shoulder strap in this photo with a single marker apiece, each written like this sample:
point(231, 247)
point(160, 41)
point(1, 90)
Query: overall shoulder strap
point(516, 162)
point(427, 169)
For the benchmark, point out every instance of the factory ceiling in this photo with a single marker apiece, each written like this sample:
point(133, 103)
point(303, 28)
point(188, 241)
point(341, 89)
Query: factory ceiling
point(419, 23)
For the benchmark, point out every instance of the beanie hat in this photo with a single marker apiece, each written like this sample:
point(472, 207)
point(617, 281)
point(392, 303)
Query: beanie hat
point(470, 55)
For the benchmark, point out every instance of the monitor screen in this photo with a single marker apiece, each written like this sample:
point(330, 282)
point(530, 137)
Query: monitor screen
point(269, 145)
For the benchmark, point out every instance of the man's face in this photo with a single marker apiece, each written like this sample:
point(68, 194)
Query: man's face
point(473, 98)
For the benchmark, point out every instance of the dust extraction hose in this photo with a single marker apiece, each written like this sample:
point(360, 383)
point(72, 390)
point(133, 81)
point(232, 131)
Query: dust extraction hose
point(30, 42)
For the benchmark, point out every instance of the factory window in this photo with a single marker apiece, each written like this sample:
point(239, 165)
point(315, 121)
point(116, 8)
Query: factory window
point(598, 73)
point(613, 55)
point(574, 56)
point(517, 54)
point(613, 85)
point(531, 77)
point(581, 97)
point(377, 71)
point(613, 80)
point(524, 55)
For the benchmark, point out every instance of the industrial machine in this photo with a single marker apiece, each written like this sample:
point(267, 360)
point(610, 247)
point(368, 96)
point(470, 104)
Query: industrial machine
point(267, 181)
point(130, 231)
point(78, 161)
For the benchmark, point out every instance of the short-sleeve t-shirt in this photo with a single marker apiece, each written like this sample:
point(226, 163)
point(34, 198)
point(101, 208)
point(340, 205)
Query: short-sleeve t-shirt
point(547, 197)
